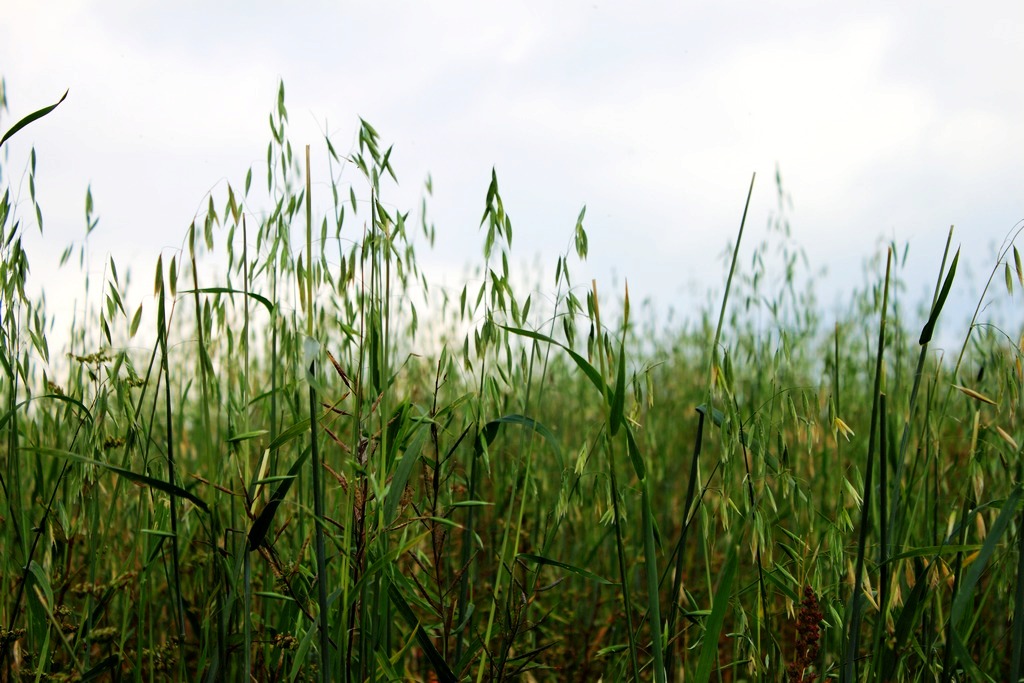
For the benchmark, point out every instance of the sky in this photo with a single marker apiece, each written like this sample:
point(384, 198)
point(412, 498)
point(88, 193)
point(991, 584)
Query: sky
point(888, 121)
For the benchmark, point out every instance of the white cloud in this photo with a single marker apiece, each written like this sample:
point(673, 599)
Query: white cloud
point(884, 119)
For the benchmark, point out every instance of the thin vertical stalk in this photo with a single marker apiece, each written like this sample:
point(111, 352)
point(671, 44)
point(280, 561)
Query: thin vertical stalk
point(848, 673)
point(958, 563)
point(653, 594)
point(318, 492)
point(883, 541)
point(677, 580)
point(728, 285)
point(376, 616)
point(883, 502)
point(938, 298)
point(247, 579)
point(220, 648)
point(838, 403)
point(709, 648)
point(179, 609)
point(1017, 656)
point(620, 547)
point(765, 617)
point(200, 333)
point(247, 613)
point(1018, 607)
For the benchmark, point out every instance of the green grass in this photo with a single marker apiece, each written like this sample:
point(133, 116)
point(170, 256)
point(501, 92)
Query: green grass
point(325, 469)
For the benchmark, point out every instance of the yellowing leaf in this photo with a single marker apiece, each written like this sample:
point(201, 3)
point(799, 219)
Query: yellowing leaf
point(977, 396)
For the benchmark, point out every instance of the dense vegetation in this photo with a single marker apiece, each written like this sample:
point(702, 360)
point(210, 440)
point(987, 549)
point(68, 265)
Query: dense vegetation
point(324, 469)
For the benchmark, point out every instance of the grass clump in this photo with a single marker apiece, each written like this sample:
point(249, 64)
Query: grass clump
point(325, 469)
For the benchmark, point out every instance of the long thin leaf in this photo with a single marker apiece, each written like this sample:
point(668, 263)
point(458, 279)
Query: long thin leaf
point(1017, 654)
point(228, 290)
point(907, 621)
point(966, 594)
point(401, 477)
point(634, 456)
point(713, 625)
point(137, 477)
point(960, 650)
point(929, 327)
point(589, 370)
point(260, 526)
point(533, 425)
point(32, 117)
point(579, 571)
point(57, 397)
point(618, 400)
point(653, 594)
point(441, 668)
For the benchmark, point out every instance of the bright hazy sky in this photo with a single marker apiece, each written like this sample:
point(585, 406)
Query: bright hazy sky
point(887, 120)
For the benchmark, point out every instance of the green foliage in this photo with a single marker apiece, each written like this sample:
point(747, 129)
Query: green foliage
point(324, 468)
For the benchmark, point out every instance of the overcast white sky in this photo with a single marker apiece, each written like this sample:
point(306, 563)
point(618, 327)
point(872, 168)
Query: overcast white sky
point(888, 120)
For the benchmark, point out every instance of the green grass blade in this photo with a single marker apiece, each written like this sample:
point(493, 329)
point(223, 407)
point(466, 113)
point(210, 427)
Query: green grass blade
point(34, 116)
point(935, 551)
point(929, 327)
point(260, 525)
point(653, 594)
point(401, 476)
point(579, 571)
point(972, 669)
point(713, 625)
point(57, 397)
point(228, 290)
point(246, 436)
point(908, 620)
point(440, 666)
point(848, 672)
point(531, 424)
point(589, 370)
point(635, 459)
point(138, 478)
point(619, 395)
point(1017, 656)
point(966, 594)
point(296, 430)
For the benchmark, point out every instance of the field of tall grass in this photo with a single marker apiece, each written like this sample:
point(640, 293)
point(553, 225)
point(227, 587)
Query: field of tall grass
point(323, 469)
